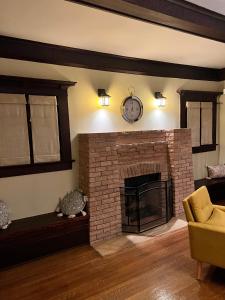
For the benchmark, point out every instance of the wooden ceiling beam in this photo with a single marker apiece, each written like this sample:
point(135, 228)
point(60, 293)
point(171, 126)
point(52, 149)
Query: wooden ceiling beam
point(177, 14)
point(21, 49)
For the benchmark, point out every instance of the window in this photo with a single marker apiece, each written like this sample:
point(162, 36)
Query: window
point(198, 112)
point(34, 126)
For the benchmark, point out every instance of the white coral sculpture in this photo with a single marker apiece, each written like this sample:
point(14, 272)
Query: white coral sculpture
point(72, 204)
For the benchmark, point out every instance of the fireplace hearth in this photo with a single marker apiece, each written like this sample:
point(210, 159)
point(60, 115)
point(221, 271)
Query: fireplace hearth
point(146, 202)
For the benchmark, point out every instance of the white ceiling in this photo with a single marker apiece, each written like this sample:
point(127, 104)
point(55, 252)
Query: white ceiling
point(214, 5)
point(65, 23)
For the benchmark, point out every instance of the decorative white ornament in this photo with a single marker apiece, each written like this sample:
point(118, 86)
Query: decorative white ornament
point(72, 204)
point(4, 215)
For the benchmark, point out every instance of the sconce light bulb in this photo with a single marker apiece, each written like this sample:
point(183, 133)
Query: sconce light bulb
point(160, 100)
point(103, 97)
point(104, 101)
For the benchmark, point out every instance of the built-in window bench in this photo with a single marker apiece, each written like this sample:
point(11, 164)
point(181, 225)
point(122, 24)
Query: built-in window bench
point(216, 188)
point(32, 237)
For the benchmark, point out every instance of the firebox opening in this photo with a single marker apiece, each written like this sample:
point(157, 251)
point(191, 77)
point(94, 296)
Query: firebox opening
point(146, 202)
point(140, 180)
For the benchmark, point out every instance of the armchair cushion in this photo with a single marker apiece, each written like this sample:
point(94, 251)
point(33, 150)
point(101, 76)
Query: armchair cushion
point(207, 243)
point(217, 218)
point(201, 205)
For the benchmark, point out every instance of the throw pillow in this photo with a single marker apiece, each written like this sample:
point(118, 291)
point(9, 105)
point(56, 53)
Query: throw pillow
point(216, 171)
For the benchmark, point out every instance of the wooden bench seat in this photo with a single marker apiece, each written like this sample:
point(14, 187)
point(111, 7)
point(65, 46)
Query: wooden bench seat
point(215, 186)
point(32, 237)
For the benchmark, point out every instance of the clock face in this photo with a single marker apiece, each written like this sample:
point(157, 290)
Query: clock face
point(132, 109)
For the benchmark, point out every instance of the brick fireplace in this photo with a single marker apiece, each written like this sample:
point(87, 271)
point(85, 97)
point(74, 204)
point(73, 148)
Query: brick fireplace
point(106, 159)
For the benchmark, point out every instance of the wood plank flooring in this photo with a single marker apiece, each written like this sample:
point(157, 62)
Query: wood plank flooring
point(158, 269)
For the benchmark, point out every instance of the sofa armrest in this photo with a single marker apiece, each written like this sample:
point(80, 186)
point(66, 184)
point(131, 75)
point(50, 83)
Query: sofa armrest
point(219, 206)
point(207, 243)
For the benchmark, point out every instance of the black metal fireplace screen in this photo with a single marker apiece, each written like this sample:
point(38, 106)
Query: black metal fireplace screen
point(146, 202)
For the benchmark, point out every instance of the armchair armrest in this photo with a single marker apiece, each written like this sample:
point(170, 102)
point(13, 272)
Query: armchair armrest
point(219, 206)
point(207, 243)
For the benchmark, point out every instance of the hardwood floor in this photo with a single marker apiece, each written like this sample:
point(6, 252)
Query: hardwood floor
point(158, 269)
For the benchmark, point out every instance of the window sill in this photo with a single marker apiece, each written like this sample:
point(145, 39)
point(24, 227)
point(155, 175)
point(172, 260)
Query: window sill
point(204, 148)
point(19, 170)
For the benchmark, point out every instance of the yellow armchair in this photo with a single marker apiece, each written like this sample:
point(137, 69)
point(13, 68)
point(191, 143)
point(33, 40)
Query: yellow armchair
point(206, 225)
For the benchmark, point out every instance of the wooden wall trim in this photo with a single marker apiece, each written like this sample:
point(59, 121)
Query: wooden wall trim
point(176, 14)
point(222, 74)
point(21, 49)
point(26, 83)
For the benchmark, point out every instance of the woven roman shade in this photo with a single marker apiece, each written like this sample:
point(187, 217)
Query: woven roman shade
point(45, 131)
point(14, 141)
point(206, 123)
point(200, 112)
point(193, 121)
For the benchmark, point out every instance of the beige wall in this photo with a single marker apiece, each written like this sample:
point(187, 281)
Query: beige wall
point(36, 194)
point(202, 160)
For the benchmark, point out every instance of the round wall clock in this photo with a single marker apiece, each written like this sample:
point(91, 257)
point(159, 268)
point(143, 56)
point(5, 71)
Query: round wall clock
point(132, 109)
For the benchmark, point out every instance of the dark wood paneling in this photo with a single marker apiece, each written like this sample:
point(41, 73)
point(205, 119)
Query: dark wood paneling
point(15, 48)
point(216, 188)
point(40, 235)
point(27, 83)
point(199, 95)
point(222, 74)
point(35, 168)
point(177, 14)
point(29, 127)
point(64, 126)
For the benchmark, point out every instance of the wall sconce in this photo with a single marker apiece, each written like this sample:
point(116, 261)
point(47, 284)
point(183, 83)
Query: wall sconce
point(160, 99)
point(103, 97)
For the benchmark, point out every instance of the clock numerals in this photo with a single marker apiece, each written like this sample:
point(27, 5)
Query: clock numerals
point(132, 109)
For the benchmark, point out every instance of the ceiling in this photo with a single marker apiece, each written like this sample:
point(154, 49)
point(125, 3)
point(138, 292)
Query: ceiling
point(214, 5)
point(64, 23)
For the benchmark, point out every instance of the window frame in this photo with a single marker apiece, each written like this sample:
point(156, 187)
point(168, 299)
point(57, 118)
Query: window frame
point(42, 87)
point(200, 96)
